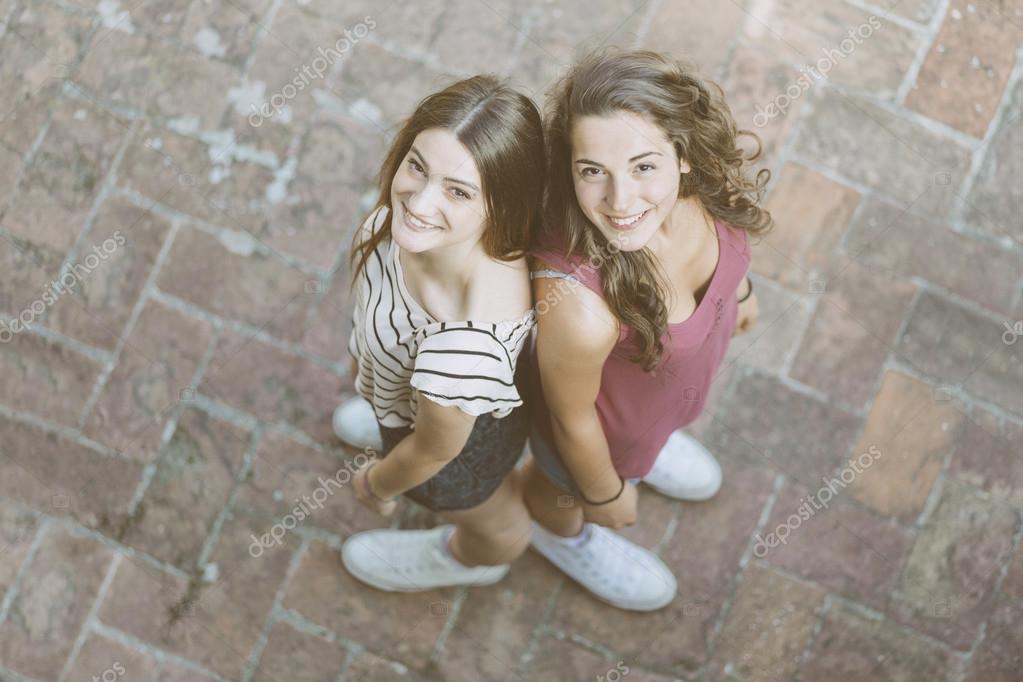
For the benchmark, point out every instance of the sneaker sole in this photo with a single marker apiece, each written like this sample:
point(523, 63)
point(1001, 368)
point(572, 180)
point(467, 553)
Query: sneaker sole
point(358, 445)
point(376, 447)
point(700, 496)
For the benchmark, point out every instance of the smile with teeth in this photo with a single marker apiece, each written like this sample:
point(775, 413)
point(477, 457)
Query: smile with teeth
point(628, 221)
point(415, 222)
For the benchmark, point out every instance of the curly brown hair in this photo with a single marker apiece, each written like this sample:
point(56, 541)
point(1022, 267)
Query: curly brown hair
point(693, 115)
point(503, 131)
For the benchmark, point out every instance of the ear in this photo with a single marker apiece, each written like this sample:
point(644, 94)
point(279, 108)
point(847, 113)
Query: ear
point(683, 166)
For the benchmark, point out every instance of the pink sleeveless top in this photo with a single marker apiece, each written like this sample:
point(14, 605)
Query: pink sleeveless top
point(637, 409)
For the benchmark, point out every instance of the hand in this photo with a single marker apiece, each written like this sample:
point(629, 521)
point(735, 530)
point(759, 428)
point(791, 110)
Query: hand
point(617, 514)
point(363, 495)
point(749, 310)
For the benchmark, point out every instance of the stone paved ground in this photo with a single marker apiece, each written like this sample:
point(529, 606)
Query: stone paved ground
point(171, 398)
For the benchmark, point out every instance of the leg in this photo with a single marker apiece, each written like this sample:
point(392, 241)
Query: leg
point(480, 496)
point(553, 508)
point(492, 533)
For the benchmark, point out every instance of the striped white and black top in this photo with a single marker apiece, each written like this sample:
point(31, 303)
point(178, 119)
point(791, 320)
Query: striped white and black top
point(403, 352)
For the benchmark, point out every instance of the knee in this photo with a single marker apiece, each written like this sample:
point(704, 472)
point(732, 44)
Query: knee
point(512, 540)
point(509, 538)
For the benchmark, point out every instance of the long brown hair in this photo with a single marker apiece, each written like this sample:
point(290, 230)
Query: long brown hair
point(503, 132)
point(694, 116)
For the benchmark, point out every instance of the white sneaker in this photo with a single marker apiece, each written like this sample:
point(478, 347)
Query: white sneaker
point(411, 561)
point(685, 470)
point(355, 423)
point(615, 570)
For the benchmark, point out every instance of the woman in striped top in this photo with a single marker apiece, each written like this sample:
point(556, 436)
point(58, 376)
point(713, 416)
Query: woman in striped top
point(442, 312)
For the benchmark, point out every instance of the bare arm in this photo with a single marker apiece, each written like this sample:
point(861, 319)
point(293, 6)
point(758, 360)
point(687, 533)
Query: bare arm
point(575, 336)
point(440, 434)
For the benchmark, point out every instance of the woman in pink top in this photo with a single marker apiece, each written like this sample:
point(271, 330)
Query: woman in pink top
point(649, 208)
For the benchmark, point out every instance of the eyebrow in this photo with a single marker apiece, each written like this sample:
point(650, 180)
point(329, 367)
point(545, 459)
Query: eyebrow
point(454, 180)
point(635, 158)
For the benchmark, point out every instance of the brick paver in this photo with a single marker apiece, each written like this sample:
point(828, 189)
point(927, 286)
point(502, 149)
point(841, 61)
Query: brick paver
point(178, 186)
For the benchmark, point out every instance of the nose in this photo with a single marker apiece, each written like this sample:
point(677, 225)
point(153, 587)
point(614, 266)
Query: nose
point(423, 201)
point(620, 195)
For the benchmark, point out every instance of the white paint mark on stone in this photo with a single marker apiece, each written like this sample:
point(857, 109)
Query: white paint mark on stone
point(363, 108)
point(208, 42)
point(238, 242)
point(220, 143)
point(328, 102)
point(184, 125)
point(284, 115)
point(113, 17)
point(246, 96)
point(278, 188)
point(210, 573)
point(218, 173)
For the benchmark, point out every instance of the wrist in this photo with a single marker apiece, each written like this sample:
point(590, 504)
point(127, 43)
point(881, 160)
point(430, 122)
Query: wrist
point(597, 487)
point(604, 499)
point(373, 489)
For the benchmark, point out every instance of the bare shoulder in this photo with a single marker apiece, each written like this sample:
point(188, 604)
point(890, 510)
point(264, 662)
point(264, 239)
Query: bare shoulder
point(501, 291)
point(572, 319)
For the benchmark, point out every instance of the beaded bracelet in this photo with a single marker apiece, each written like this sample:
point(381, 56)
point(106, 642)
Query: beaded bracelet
point(748, 293)
point(597, 504)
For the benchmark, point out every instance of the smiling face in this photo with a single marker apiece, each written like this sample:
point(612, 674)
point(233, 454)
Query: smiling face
point(436, 194)
point(626, 175)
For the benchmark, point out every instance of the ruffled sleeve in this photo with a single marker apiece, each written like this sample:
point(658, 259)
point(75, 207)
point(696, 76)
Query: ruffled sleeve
point(467, 366)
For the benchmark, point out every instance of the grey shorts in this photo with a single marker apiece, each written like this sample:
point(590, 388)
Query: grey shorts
point(493, 449)
point(549, 461)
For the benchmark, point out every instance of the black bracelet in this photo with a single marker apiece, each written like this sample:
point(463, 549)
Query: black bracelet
point(597, 504)
point(748, 293)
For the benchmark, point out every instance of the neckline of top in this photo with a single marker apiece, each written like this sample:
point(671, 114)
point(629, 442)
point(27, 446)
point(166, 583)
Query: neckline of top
point(416, 307)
